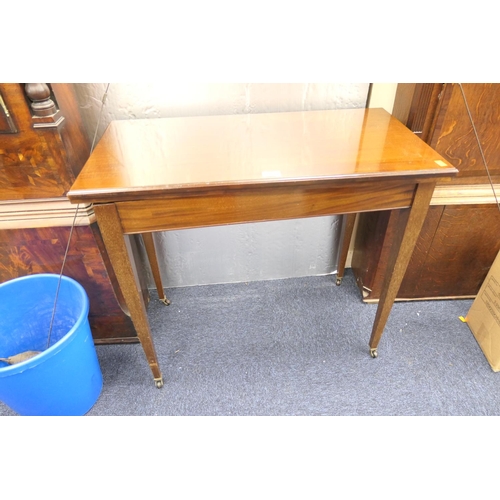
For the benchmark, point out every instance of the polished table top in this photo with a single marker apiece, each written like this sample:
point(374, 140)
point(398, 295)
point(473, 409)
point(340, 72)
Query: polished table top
point(148, 158)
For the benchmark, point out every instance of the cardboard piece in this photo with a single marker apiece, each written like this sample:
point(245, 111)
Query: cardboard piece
point(484, 316)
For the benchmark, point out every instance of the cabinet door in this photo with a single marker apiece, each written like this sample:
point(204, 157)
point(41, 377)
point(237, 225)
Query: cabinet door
point(455, 251)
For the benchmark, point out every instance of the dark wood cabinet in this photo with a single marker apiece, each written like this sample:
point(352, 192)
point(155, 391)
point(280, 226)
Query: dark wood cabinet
point(461, 235)
point(43, 147)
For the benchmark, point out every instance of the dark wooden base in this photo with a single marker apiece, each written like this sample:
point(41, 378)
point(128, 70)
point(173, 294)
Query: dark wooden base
point(41, 250)
point(453, 254)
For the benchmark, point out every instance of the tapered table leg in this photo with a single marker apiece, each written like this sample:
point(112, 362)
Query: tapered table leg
point(399, 257)
point(120, 255)
point(349, 220)
point(153, 263)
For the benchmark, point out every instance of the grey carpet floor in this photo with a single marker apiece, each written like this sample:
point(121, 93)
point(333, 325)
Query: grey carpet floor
point(298, 347)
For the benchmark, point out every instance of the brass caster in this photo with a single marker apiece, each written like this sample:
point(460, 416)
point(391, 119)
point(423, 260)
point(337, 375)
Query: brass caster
point(165, 301)
point(159, 382)
point(339, 281)
point(373, 353)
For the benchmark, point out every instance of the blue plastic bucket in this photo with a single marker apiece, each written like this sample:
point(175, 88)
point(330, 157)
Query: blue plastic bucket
point(64, 379)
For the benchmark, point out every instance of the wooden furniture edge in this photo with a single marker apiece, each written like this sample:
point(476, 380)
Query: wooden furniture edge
point(46, 212)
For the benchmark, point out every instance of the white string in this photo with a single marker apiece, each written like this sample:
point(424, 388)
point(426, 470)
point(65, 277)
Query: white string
point(103, 100)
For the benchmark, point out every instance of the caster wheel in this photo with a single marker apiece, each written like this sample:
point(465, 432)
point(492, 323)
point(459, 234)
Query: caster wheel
point(159, 383)
point(165, 301)
point(373, 353)
point(339, 281)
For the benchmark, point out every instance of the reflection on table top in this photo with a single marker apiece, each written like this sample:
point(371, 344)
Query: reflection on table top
point(183, 153)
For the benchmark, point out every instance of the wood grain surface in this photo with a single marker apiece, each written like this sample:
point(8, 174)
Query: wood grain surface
point(257, 205)
point(40, 250)
point(454, 137)
point(43, 162)
point(138, 158)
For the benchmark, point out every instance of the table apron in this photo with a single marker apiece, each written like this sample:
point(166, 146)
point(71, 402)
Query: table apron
point(223, 207)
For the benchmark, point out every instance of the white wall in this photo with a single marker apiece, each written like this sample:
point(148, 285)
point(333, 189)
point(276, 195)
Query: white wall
point(382, 95)
point(259, 251)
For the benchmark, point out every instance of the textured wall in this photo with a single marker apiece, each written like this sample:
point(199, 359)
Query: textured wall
point(268, 250)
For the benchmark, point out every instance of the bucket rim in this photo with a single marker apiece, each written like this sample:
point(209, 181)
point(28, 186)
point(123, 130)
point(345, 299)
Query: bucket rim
point(65, 339)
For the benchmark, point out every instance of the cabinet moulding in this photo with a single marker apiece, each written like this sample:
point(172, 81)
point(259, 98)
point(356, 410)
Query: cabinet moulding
point(473, 194)
point(47, 212)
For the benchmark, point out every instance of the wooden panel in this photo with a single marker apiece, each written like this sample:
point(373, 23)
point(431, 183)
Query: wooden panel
point(412, 282)
point(461, 254)
point(30, 251)
point(451, 258)
point(454, 138)
point(228, 207)
point(422, 112)
point(373, 247)
point(415, 105)
point(403, 101)
point(39, 163)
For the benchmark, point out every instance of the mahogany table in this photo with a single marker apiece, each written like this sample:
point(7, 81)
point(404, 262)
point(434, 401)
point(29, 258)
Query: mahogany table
point(187, 172)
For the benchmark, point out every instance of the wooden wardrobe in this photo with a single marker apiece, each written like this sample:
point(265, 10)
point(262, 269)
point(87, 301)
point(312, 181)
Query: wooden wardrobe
point(43, 146)
point(461, 235)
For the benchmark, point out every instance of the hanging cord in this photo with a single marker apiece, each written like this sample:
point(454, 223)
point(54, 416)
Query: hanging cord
point(479, 145)
point(103, 101)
